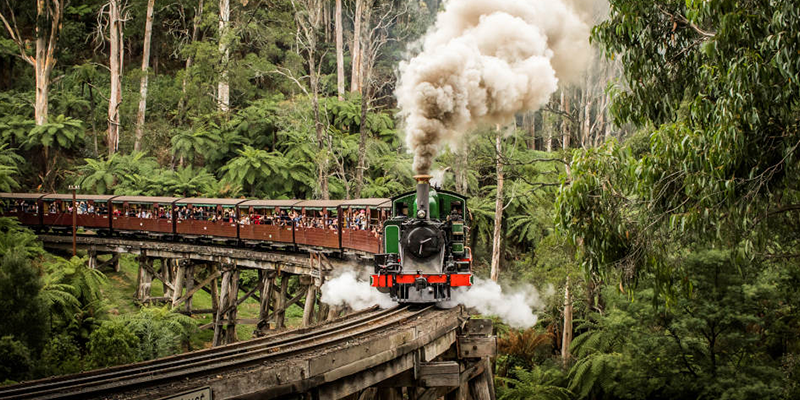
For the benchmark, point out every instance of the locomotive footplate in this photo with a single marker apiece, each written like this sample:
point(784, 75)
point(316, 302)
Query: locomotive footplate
point(419, 288)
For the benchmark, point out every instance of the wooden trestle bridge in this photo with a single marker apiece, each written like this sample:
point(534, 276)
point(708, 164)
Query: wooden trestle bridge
point(420, 353)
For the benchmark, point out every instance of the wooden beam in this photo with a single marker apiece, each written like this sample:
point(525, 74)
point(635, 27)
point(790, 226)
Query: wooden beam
point(244, 298)
point(438, 374)
point(168, 274)
point(208, 280)
point(197, 311)
point(432, 393)
point(478, 327)
point(233, 292)
point(477, 347)
point(225, 287)
point(308, 309)
point(296, 299)
point(280, 312)
point(177, 287)
point(189, 282)
point(153, 273)
point(479, 388)
point(267, 286)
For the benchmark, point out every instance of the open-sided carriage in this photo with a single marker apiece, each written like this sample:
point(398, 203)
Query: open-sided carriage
point(143, 215)
point(362, 222)
point(92, 210)
point(23, 206)
point(266, 222)
point(207, 218)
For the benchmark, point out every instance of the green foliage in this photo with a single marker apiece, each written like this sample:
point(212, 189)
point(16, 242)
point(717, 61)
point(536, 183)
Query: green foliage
point(60, 131)
point(718, 102)
point(191, 144)
point(112, 343)
point(258, 168)
point(16, 363)
point(85, 283)
point(160, 332)
point(16, 239)
point(61, 355)
point(706, 346)
point(25, 315)
point(185, 182)
point(539, 383)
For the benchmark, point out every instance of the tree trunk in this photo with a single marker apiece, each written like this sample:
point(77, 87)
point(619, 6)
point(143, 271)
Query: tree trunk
point(198, 15)
point(339, 51)
point(320, 129)
point(148, 30)
point(566, 337)
point(48, 26)
point(565, 124)
point(532, 130)
point(42, 85)
point(223, 89)
point(94, 124)
point(355, 79)
point(460, 167)
point(586, 110)
point(498, 209)
point(366, 72)
point(115, 65)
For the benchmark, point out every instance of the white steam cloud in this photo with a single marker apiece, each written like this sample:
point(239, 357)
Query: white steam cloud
point(483, 62)
point(347, 289)
point(516, 308)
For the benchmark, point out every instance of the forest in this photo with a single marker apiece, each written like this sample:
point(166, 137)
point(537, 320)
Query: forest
point(656, 195)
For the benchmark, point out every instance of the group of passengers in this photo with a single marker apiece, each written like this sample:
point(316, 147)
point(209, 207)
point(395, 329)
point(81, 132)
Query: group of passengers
point(83, 208)
point(144, 212)
point(280, 219)
point(23, 206)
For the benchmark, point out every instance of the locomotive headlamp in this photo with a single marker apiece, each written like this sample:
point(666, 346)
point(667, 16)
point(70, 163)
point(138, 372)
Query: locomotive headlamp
point(421, 214)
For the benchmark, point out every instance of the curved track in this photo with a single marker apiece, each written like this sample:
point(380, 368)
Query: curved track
point(210, 361)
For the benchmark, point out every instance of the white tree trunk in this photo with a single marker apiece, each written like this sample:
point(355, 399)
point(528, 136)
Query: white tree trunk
point(355, 80)
point(148, 30)
point(339, 51)
point(115, 66)
point(223, 89)
point(48, 26)
point(42, 85)
point(566, 337)
point(565, 124)
point(498, 209)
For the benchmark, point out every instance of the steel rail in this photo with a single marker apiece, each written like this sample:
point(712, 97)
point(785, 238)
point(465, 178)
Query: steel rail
point(208, 361)
point(152, 365)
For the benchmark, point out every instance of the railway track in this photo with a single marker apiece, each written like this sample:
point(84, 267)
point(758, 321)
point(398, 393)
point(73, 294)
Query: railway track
point(212, 361)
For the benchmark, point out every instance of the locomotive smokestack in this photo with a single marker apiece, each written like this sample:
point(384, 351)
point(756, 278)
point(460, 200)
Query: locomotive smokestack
point(423, 195)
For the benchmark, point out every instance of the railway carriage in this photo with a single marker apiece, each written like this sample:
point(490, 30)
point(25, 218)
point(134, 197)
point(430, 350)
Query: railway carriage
point(266, 221)
point(316, 223)
point(143, 215)
point(362, 220)
point(207, 219)
point(92, 212)
point(23, 206)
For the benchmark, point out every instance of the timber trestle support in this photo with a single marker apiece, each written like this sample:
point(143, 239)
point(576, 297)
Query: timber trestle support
point(183, 269)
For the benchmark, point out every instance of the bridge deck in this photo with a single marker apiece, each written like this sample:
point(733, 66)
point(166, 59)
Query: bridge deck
point(269, 259)
point(333, 360)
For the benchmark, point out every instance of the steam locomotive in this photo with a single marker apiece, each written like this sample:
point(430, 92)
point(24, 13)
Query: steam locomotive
point(425, 249)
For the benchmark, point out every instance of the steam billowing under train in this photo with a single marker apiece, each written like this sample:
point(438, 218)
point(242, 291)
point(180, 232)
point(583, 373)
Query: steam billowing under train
point(425, 246)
